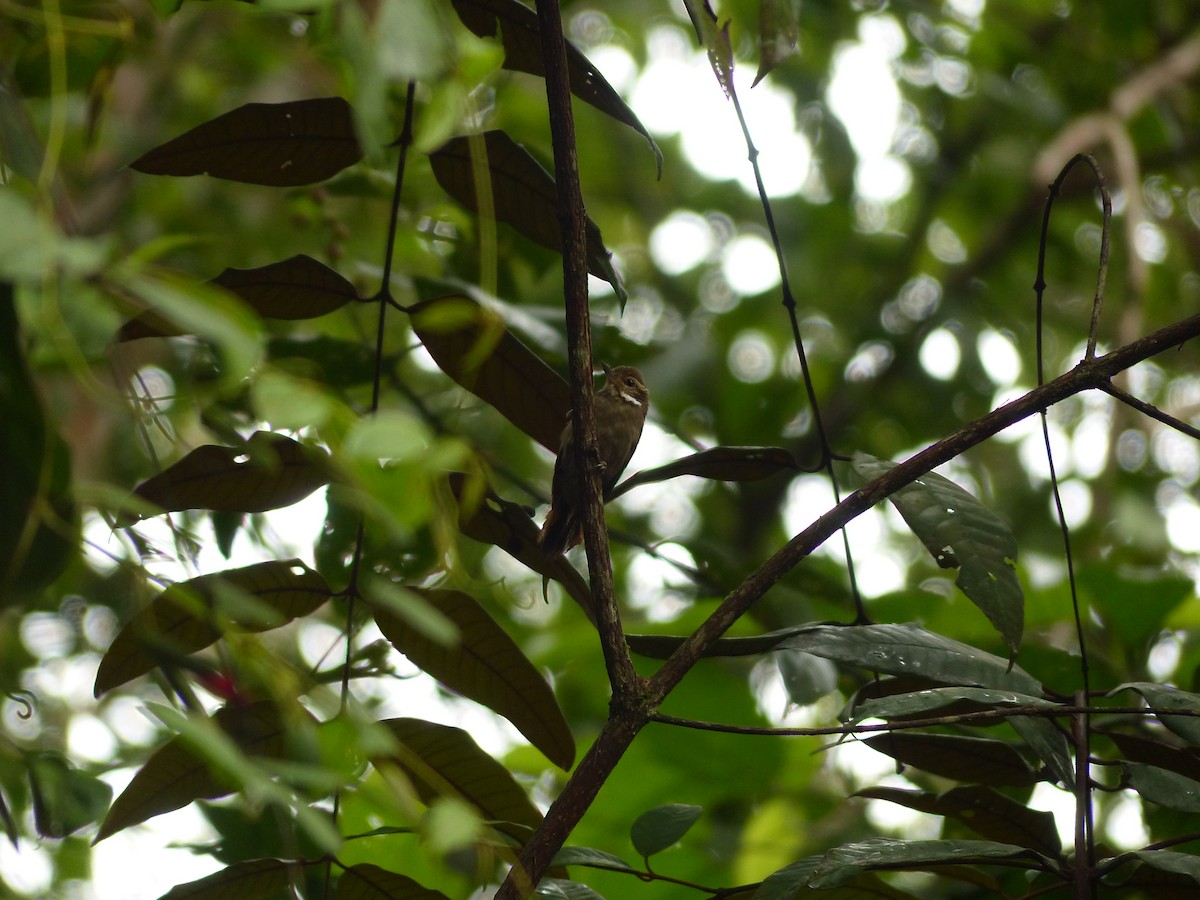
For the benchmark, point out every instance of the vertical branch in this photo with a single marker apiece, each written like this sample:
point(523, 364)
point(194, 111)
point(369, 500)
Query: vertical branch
point(572, 222)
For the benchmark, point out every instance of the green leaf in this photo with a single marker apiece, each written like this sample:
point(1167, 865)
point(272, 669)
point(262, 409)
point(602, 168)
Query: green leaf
point(660, 646)
point(248, 880)
point(1155, 752)
point(898, 706)
point(473, 346)
point(524, 194)
point(268, 471)
point(65, 799)
point(657, 829)
point(971, 759)
point(911, 650)
point(718, 464)
point(561, 889)
point(367, 882)
point(1050, 744)
point(1165, 788)
point(1171, 861)
point(445, 761)
point(37, 514)
point(1165, 697)
point(175, 774)
point(778, 34)
point(806, 677)
point(519, 32)
point(275, 144)
point(191, 615)
point(841, 865)
point(595, 859)
point(488, 667)
point(987, 812)
point(413, 610)
point(960, 532)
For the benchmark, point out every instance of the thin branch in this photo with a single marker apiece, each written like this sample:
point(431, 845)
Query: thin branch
point(1152, 411)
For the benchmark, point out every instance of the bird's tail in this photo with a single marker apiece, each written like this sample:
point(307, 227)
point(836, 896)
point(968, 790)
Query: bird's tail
point(560, 532)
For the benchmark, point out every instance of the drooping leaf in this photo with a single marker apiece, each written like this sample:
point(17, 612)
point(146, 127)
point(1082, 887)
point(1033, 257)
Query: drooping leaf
point(587, 856)
point(960, 532)
point(65, 798)
point(657, 829)
point(1164, 697)
point(445, 761)
point(988, 813)
point(295, 288)
point(275, 144)
point(268, 471)
point(175, 775)
point(37, 514)
point(367, 882)
point(660, 646)
point(806, 677)
point(1049, 743)
point(1171, 861)
point(507, 525)
point(899, 706)
point(472, 345)
point(778, 34)
point(842, 865)
point(519, 33)
point(714, 38)
point(524, 194)
point(791, 882)
point(189, 616)
point(1165, 788)
point(488, 667)
point(971, 759)
point(1155, 752)
point(247, 880)
point(718, 464)
point(911, 650)
point(562, 889)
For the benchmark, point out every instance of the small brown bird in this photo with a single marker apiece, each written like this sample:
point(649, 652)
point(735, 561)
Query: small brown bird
point(620, 409)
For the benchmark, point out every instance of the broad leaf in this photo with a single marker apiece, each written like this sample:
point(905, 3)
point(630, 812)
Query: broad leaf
point(660, 646)
point(1164, 697)
point(190, 615)
point(276, 144)
point(488, 667)
point(445, 761)
point(508, 526)
point(175, 775)
point(778, 34)
point(1156, 752)
point(988, 813)
point(971, 759)
point(1171, 861)
point(791, 882)
point(960, 532)
point(718, 464)
point(595, 859)
point(519, 32)
point(561, 889)
point(911, 650)
point(473, 346)
point(524, 194)
point(64, 798)
point(367, 882)
point(1050, 744)
point(295, 288)
point(714, 38)
point(1164, 788)
point(247, 880)
point(806, 677)
point(37, 514)
point(268, 471)
point(657, 829)
point(842, 865)
point(899, 706)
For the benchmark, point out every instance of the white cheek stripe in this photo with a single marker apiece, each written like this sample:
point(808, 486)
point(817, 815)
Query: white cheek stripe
point(629, 398)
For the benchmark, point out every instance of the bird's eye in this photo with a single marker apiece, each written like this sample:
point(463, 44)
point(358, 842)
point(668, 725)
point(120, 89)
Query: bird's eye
point(630, 382)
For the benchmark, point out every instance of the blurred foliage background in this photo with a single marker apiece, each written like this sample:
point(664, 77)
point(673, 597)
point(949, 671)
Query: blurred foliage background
point(908, 146)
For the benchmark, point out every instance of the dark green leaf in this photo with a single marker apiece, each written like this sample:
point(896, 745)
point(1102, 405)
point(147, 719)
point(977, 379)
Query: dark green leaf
point(657, 829)
point(806, 678)
point(521, 37)
point(1164, 788)
point(1165, 697)
point(970, 759)
point(718, 464)
point(367, 882)
point(586, 856)
point(488, 667)
point(1050, 744)
point(960, 532)
point(988, 813)
point(276, 144)
point(841, 865)
point(65, 799)
point(1156, 752)
point(248, 880)
point(899, 706)
point(911, 650)
point(524, 194)
point(268, 471)
point(561, 889)
point(660, 646)
point(1171, 861)
point(190, 615)
point(778, 34)
point(443, 761)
